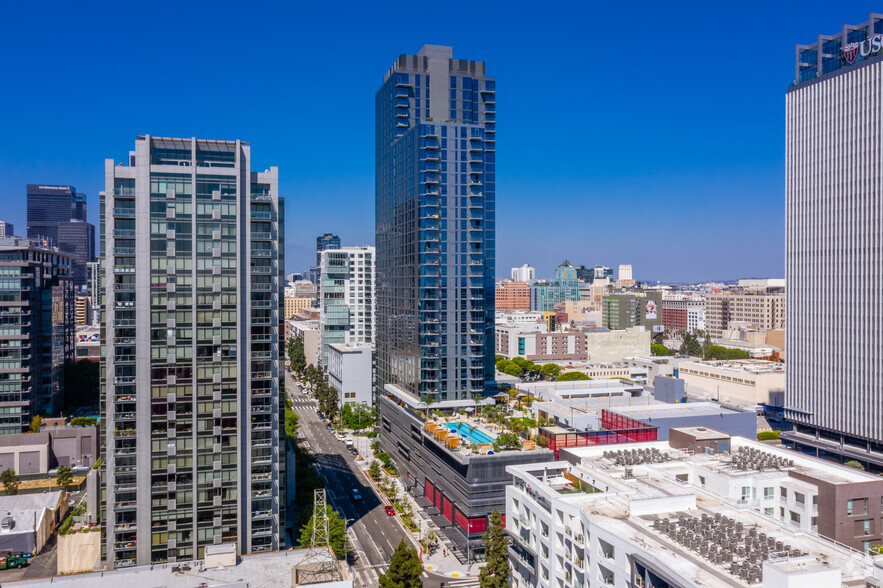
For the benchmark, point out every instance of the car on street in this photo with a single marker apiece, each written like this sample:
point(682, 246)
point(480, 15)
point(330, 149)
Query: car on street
point(80, 468)
point(356, 494)
point(390, 511)
point(340, 437)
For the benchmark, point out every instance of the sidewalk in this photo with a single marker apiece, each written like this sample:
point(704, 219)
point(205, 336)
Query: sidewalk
point(437, 562)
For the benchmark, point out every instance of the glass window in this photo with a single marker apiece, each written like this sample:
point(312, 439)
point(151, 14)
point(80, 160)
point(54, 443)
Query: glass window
point(849, 507)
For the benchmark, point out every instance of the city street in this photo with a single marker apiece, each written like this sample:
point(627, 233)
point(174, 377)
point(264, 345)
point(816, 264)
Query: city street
point(373, 534)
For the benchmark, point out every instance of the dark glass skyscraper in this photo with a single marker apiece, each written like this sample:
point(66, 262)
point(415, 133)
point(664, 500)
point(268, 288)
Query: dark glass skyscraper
point(57, 214)
point(435, 194)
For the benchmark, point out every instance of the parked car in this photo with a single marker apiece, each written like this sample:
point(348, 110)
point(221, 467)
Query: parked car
point(348, 441)
point(390, 511)
point(80, 469)
point(340, 437)
point(356, 494)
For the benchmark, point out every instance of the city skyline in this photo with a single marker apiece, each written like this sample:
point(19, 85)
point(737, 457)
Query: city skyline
point(703, 142)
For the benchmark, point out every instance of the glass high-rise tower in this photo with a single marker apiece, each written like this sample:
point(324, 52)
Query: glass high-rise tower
point(435, 198)
point(191, 280)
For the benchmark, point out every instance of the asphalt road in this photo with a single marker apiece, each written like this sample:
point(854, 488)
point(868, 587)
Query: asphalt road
point(373, 534)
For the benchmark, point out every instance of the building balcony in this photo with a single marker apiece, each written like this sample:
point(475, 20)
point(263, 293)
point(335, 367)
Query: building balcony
point(261, 236)
point(261, 253)
point(124, 212)
point(124, 251)
point(261, 287)
point(124, 269)
point(261, 197)
point(124, 233)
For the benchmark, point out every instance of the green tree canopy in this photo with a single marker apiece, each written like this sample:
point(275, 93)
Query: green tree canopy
point(36, 424)
point(495, 573)
point(64, 477)
point(513, 369)
point(336, 532)
point(718, 352)
point(520, 361)
point(657, 349)
point(357, 417)
point(10, 481)
point(404, 569)
point(691, 346)
point(296, 356)
point(572, 376)
point(507, 441)
point(551, 370)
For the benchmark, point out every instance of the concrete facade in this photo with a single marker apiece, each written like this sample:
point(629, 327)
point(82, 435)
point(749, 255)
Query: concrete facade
point(762, 311)
point(351, 372)
point(746, 382)
point(614, 346)
point(346, 297)
point(634, 309)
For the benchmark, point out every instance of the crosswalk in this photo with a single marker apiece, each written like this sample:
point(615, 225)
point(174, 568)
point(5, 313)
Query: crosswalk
point(370, 578)
point(366, 577)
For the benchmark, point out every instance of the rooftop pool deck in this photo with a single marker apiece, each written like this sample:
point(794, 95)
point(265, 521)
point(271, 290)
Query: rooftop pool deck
point(471, 436)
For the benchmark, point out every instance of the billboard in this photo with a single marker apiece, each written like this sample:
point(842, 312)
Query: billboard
point(651, 310)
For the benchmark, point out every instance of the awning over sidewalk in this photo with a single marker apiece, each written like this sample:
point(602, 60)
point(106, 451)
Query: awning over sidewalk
point(460, 541)
point(422, 501)
point(440, 521)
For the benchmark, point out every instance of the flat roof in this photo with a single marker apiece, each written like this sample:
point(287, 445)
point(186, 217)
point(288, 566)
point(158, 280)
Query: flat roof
point(663, 410)
point(702, 433)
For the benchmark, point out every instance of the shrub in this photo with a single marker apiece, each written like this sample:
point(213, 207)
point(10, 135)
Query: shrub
point(856, 465)
point(572, 376)
point(768, 436)
point(83, 421)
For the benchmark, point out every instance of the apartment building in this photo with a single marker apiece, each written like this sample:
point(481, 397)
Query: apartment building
point(513, 295)
point(763, 311)
point(346, 297)
point(649, 515)
point(191, 394)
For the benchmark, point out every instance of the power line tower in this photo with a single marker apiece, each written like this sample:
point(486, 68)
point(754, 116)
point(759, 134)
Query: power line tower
point(320, 564)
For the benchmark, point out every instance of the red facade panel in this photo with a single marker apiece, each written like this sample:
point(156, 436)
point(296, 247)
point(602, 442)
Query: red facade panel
point(446, 510)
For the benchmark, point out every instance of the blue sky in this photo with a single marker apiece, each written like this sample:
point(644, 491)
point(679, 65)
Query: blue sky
point(642, 133)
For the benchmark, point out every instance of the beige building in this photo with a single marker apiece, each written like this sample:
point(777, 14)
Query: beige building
point(603, 371)
point(309, 330)
point(744, 382)
point(83, 311)
point(762, 311)
point(293, 305)
point(614, 346)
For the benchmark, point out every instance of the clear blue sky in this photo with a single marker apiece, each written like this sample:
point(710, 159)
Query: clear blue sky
point(644, 133)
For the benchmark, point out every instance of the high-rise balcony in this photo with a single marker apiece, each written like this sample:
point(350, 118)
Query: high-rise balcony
point(124, 212)
point(124, 233)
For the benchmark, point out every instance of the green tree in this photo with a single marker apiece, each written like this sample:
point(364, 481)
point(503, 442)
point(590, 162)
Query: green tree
point(374, 470)
point(854, 464)
point(495, 573)
point(291, 419)
point(404, 570)
point(520, 362)
point(64, 477)
point(656, 349)
point(336, 532)
point(691, 346)
point(572, 376)
point(10, 481)
point(296, 356)
point(36, 424)
point(507, 441)
point(551, 370)
point(513, 369)
point(706, 343)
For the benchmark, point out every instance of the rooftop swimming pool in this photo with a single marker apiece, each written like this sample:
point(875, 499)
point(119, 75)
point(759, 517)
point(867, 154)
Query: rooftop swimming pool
point(471, 436)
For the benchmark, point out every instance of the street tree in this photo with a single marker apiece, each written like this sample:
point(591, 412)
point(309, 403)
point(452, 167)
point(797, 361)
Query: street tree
point(404, 570)
point(495, 573)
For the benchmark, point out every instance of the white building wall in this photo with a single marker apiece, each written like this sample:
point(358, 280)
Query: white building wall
point(833, 206)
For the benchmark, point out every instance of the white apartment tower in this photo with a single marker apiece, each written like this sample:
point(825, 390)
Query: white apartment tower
point(834, 244)
point(625, 272)
point(192, 272)
point(525, 273)
point(346, 297)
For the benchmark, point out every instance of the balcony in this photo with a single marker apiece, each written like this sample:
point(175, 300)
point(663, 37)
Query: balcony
point(124, 233)
point(261, 269)
point(124, 213)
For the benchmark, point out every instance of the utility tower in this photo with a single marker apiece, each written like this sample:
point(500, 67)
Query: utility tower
point(320, 564)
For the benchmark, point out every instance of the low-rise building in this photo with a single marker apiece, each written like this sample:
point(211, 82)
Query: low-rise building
point(28, 520)
point(665, 417)
point(676, 309)
point(304, 289)
point(49, 448)
point(606, 346)
point(351, 372)
point(536, 345)
point(309, 331)
point(637, 515)
point(746, 382)
point(448, 466)
point(743, 336)
point(517, 318)
point(645, 369)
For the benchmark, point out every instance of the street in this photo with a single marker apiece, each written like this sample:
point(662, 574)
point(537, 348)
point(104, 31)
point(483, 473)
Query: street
point(373, 534)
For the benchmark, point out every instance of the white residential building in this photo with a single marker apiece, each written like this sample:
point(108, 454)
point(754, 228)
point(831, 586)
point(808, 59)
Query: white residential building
point(625, 272)
point(518, 318)
point(346, 297)
point(600, 519)
point(695, 319)
point(525, 273)
point(351, 373)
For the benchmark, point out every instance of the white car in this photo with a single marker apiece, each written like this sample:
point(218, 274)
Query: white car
point(348, 441)
point(340, 437)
